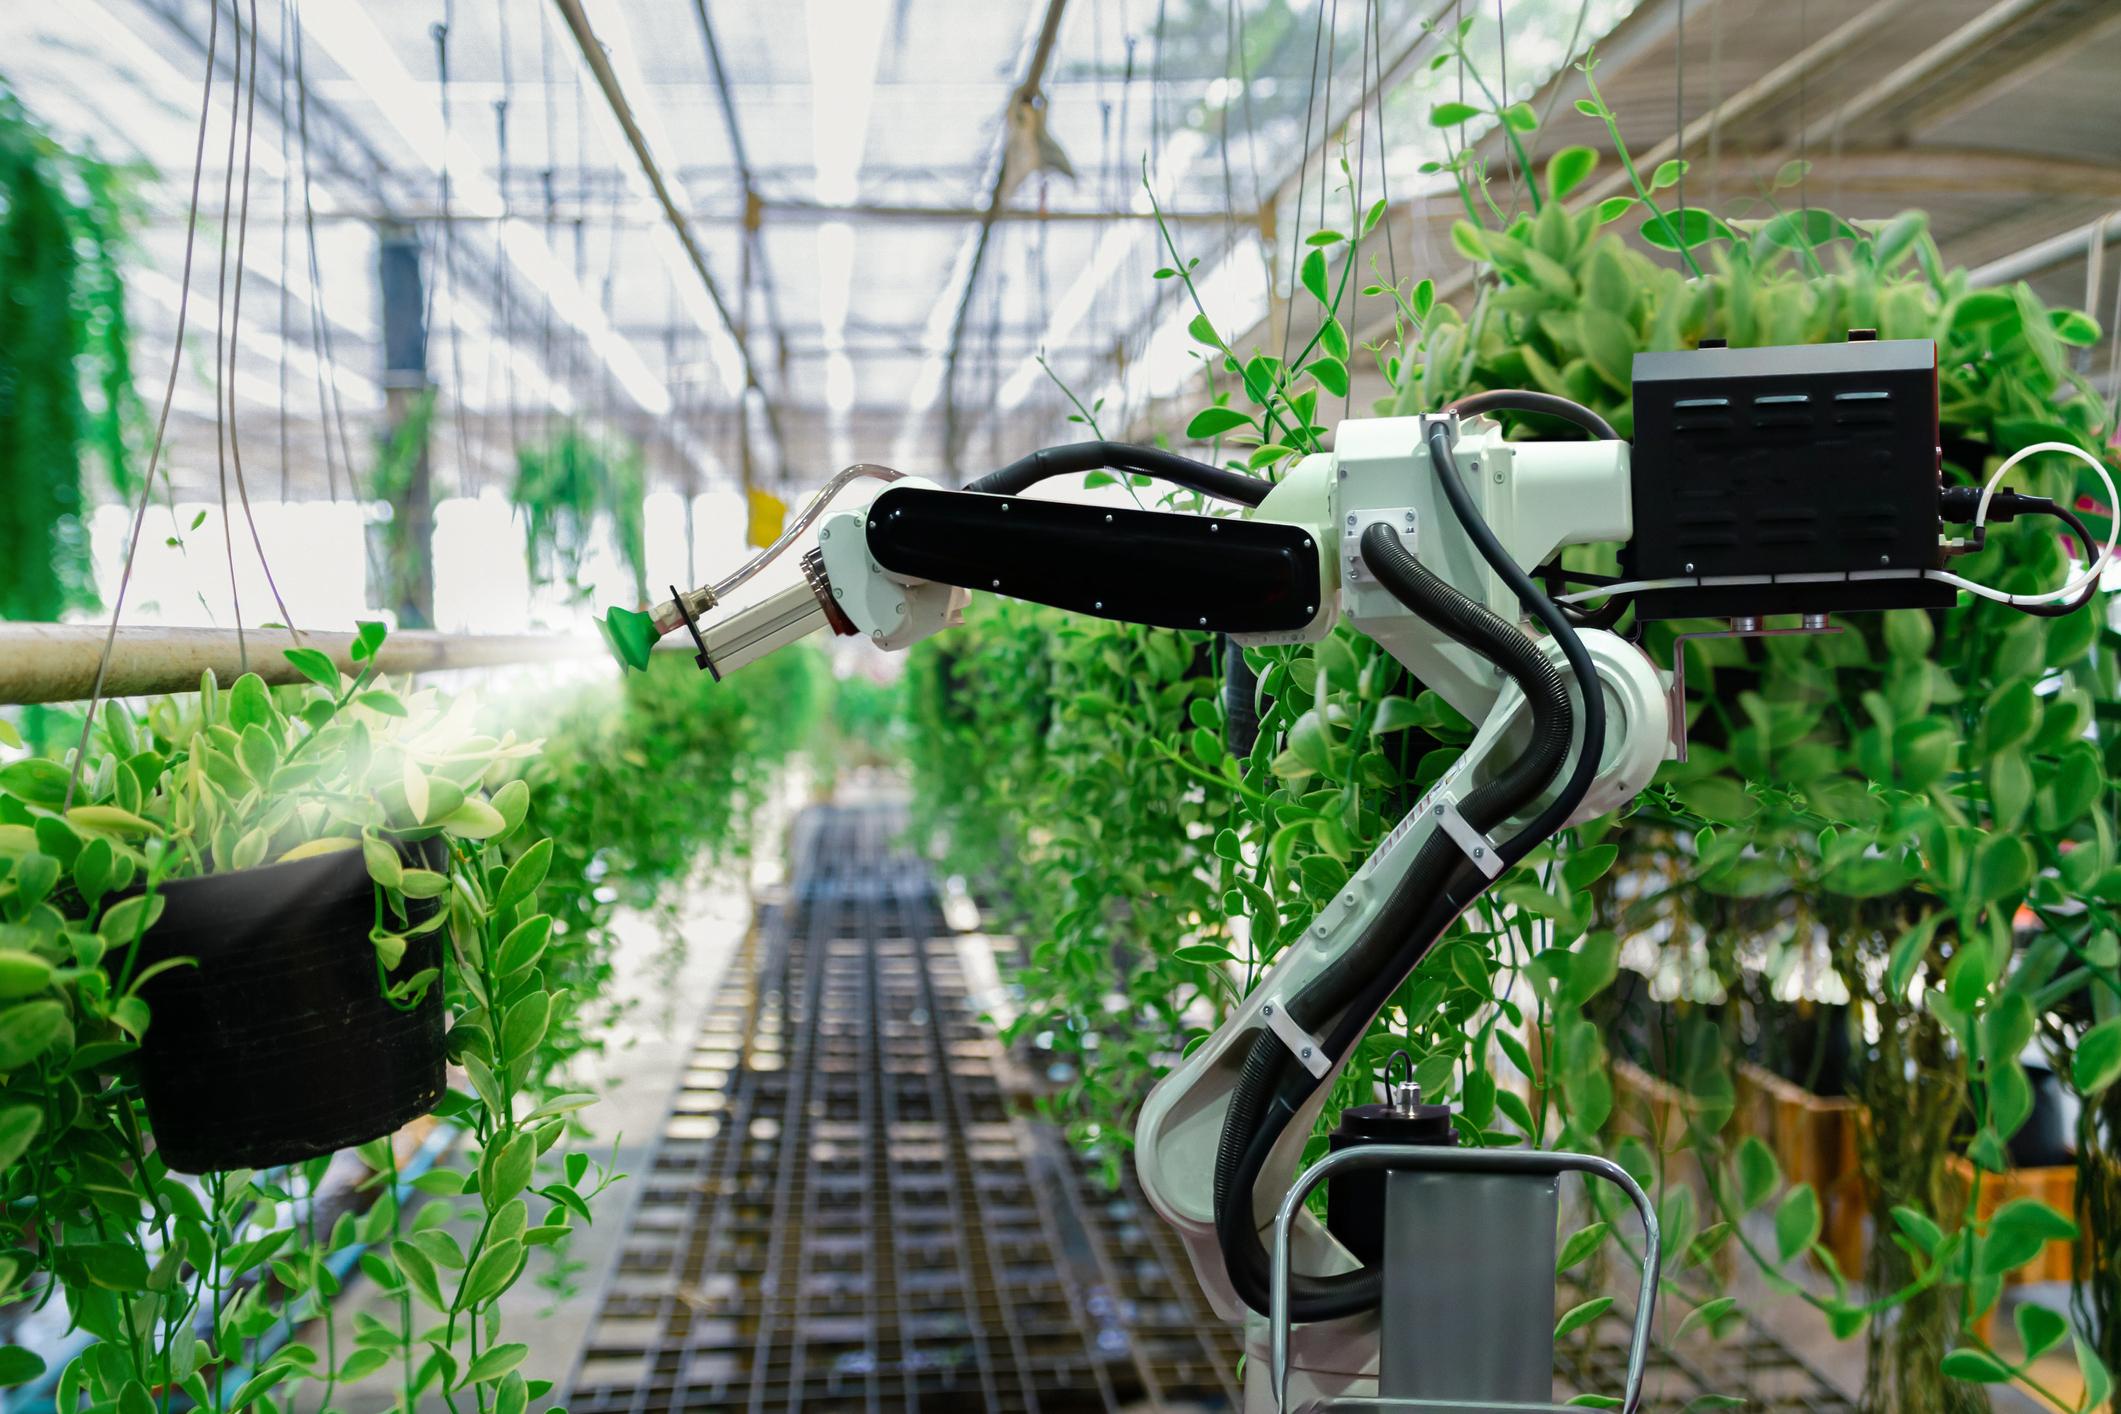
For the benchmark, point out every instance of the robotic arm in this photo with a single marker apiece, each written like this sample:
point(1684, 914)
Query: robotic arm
point(1761, 481)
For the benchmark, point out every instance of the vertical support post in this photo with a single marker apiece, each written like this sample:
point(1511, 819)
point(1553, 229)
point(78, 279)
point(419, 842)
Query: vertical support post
point(411, 587)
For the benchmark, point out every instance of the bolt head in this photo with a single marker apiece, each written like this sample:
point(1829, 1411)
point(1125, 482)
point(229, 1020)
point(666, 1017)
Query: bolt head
point(1306, 1053)
point(1690, 567)
point(1108, 520)
point(1885, 559)
point(824, 535)
point(1098, 605)
point(997, 584)
point(1351, 520)
point(1267, 1010)
point(1203, 623)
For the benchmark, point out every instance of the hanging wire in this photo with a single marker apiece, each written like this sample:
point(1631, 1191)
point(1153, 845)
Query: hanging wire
point(169, 393)
point(287, 195)
point(1384, 178)
point(331, 403)
point(224, 373)
point(1679, 118)
point(1304, 156)
point(235, 329)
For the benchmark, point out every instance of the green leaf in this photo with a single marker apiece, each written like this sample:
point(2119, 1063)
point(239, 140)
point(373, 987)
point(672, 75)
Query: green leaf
point(1586, 866)
point(1577, 1317)
point(1206, 953)
point(1450, 115)
point(1920, 1229)
point(38, 781)
point(2098, 1382)
point(2018, 1231)
point(1975, 1367)
point(1331, 373)
point(19, 1365)
point(19, 1125)
point(1693, 226)
point(29, 1029)
point(1758, 1173)
point(1214, 422)
point(1668, 174)
point(1908, 953)
point(473, 820)
point(1613, 208)
point(2004, 866)
point(525, 942)
point(561, 1104)
point(1520, 117)
point(495, 1363)
point(1581, 1244)
point(1797, 1221)
point(1717, 798)
point(2040, 1329)
point(314, 665)
point(383, 863)
point(491, 1274)
point(2098, 1061)
point(1313, 274)
point(1396, 714)
point(363, 1363)
point(1706, 1314)
point(386, 703)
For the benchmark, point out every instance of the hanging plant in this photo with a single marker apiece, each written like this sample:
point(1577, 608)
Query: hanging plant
point(562, 488)
point(252, 882)
point(62, 323)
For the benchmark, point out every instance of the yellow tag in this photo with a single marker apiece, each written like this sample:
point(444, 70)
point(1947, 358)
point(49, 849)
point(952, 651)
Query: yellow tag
point(767, 514)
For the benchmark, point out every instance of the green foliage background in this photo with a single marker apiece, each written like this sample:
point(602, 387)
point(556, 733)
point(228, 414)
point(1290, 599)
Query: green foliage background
point(62, 327)
point(1905, 786)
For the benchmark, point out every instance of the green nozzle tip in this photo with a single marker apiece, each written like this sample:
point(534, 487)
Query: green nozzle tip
point(630, 635)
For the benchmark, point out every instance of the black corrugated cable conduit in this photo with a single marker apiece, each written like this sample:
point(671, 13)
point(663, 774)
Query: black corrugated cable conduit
point(1438, 885)
point(1123, 456)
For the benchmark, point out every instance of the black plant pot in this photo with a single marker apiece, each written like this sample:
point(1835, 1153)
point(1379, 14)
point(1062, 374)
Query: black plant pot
point(279, 1045)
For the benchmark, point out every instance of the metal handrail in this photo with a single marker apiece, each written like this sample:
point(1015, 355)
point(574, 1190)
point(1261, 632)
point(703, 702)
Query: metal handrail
point(1436, 1158)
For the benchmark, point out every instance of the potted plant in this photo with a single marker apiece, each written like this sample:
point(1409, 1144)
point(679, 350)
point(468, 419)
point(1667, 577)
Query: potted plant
point(265, 876)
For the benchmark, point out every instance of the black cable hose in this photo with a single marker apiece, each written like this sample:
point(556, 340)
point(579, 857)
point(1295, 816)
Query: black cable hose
point(1556, 815)
point(1437, 886)
point(1123, 456)
point(2084, 538)
point(1516, 400)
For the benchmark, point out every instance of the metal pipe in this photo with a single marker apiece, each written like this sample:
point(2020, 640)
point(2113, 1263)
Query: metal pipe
point(600, 65)
point(2052, 251)
point(57, 662)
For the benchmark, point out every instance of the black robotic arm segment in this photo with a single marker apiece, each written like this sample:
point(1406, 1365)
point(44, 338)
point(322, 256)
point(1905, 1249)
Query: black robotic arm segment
point(1146, 567)
point(1124, 456)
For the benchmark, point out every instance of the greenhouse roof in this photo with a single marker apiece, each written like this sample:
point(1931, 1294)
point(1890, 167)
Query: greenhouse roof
point(896, 267)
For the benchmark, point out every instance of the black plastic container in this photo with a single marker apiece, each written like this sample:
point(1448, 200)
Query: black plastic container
point(1355, 1201)
point(279, 1045)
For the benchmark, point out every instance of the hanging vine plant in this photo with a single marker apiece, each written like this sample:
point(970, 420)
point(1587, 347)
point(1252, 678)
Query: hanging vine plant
point(563, 487)
point(62, 325)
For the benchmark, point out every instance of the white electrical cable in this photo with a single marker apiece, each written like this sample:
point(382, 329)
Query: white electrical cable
point(2091, 572)
point(2089, 575)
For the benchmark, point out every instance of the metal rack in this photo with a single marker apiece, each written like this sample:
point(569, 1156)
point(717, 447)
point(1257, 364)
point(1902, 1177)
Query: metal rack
point(843, 1211)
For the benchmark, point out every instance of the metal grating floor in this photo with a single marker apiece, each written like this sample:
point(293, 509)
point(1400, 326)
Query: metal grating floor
point(844, 1213)
point(847, 1212)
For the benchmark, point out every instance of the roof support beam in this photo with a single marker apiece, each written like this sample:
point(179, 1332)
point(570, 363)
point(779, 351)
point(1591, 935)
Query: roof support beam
point(600, 65)
point(1763, 92)
point(753, 204)
point(1962, 42)
point(1041, 54)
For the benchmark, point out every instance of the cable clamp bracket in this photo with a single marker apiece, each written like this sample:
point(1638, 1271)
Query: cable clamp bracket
point(1302, 1043)
point(1478, 847)
point(692, 623)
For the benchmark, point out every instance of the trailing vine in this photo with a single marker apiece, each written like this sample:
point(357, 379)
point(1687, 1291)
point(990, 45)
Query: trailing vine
point(63, 217)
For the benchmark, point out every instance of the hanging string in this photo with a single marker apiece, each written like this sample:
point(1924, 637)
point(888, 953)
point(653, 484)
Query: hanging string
point(224, 376)
point(1304, 157)
point(1679, 120)
point(169, 393)
point(287, 201)
point(1384, 178)
point(331, 403)
point(1502, 48)
point(235, 330)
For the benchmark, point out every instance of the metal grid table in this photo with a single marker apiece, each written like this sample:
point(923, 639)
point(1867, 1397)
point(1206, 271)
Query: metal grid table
point(843, 1212)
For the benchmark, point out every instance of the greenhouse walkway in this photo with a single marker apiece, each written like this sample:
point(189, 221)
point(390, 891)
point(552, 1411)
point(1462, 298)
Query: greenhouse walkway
point(843, 1212)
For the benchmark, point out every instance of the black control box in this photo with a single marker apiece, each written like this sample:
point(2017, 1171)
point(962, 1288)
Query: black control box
point(1806, 473)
